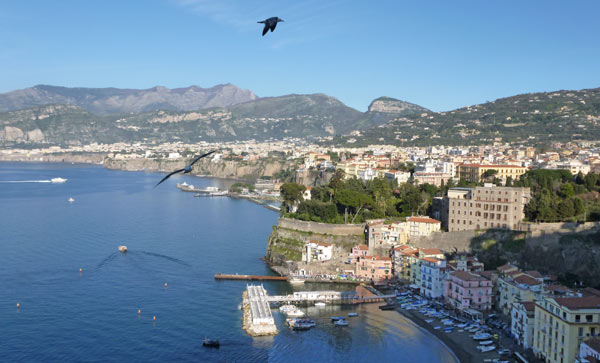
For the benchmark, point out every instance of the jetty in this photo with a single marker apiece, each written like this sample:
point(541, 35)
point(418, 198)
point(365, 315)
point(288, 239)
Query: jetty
point(257, 317)
point(249, 277)
point(331, 297)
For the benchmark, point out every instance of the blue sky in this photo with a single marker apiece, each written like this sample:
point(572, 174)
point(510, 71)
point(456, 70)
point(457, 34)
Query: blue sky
point(438, 54)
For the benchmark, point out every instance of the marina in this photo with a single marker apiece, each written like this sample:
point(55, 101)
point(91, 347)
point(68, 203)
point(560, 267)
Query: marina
point(248, 277)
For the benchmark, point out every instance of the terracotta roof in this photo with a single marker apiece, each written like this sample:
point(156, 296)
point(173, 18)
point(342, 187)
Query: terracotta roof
point(593, 343)
point(487, 274)
point(324, 244)
point(401, 248)
point(467, 276)
point(363, 247)
point(431, 259)
point(526, 280)
point(506, 267)
point(529, 305)
point(534, 274)
point(572, 303)
point(423, 220)
point(431, 251)
point(590, 291)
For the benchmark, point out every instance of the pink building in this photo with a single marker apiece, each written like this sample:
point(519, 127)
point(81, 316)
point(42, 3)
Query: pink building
point(375, 268)
point(466, 290)
point(359, 251)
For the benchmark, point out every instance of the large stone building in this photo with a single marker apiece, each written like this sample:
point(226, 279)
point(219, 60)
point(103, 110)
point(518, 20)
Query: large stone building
point(474, 172)
point(561, 324)
point(486, 207)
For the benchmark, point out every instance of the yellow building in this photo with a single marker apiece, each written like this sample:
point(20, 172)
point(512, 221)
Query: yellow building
point(561, 324)
point(473, 172)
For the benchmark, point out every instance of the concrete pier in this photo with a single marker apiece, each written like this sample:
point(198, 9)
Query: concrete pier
point(249, 277)
point(257, 317)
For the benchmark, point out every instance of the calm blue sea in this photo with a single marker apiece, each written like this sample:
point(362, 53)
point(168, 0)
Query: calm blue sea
point(173, 238)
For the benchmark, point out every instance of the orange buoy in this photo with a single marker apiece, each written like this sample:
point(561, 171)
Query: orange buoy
point(154, 318)
point(18, 305)
point(80, 270)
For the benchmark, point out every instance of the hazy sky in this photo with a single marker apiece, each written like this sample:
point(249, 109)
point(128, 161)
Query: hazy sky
point(439, 54)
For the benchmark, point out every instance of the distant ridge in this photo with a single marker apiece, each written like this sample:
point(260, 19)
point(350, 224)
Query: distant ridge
point(105, 101)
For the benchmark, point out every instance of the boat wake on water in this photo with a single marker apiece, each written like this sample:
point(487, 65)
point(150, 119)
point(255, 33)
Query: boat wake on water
point(53, 181)
point(172, 259)
point(107, 260)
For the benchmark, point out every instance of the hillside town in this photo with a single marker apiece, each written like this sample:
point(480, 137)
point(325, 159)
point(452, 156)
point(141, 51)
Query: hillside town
point(558, 323)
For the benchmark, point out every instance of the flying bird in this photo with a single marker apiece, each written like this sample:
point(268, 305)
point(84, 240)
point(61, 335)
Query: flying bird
point(187, 169)
point(270, 23)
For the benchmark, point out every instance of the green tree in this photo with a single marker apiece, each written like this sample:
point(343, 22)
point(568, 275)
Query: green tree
point(509, 181)
point(567, 190)
point(291, 194)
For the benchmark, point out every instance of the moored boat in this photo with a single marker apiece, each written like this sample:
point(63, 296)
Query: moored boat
point(295, 313)
point(122, 248)
point(352, 314)
point(211, 343)
point(320, 304)
point(341, 322)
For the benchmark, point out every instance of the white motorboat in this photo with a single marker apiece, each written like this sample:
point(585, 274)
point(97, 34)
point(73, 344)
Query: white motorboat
point(58, 180)
point(320, 304)
point(486, 342)
point(286, 308)
point(482, 336)
point(70, 200)
point(295, 313)
point(296, 280)
point(341, 322)
point(486, 348)
point(122, 248)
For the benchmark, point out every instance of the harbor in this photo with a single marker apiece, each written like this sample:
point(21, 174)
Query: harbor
point(249, 277)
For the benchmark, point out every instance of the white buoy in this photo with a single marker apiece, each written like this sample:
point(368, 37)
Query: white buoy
point(80, 270)
point(18, 305)
point(154, 318)
point(139, 311)
point(165, 284)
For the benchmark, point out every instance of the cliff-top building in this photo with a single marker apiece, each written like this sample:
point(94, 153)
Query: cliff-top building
point(486, 207)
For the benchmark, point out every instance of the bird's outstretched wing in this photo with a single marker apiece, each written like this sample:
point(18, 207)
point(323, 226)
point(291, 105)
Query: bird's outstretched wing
point(266, 29)
point(169, 175)
point(201, 156)
point(273, 26)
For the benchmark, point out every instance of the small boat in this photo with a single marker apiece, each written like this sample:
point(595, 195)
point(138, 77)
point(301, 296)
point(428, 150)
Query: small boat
point(352, 314)
point(70, 200)
point(320, 304)
point(428, 320)
point(286, 308)
point(486, 348)
point(296, 280)
point(486, 342)
point(295, 313)
point(341, 322)
point(211, 343)
point(387, 307)
point(336, 318)
point(58, 180)
point(437, 327)
point(122, 248)
point(482, 336)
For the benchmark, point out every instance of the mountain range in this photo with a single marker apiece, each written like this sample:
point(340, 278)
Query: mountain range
point(114, 100)
point(49, 115)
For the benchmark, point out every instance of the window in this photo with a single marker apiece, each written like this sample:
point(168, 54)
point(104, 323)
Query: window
point(580, 331)
point(578, 319)
point(588, 318)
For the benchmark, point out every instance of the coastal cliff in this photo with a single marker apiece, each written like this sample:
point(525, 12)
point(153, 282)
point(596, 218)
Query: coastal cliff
point(250, 170)
point(285, 244)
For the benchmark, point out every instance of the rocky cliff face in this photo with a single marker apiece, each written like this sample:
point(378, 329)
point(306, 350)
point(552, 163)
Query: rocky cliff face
point(115, 100)
point(396, 107)
point(219, 169)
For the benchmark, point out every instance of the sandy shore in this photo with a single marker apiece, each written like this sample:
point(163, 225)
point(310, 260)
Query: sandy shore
point(463, 346)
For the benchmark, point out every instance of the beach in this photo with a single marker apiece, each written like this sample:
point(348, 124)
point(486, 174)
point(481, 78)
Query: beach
point(463, 346)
